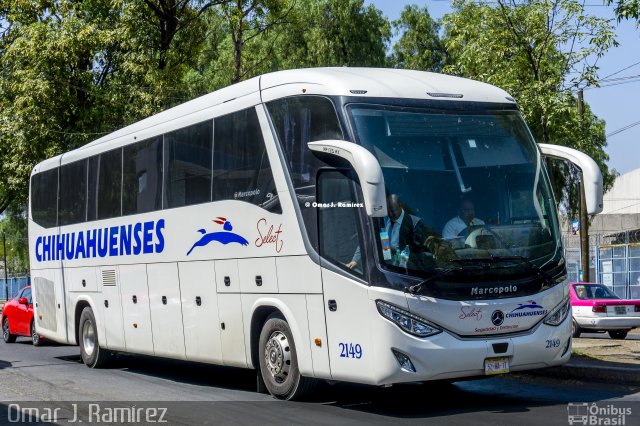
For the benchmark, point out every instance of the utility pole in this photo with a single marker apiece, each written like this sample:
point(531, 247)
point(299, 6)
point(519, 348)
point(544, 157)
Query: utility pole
point(6, 276)
point(584, 219)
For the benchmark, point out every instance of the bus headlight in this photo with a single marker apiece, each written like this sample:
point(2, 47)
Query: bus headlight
point(558, 315)
point(408, 322)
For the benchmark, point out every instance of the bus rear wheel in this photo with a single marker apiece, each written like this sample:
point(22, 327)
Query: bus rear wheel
point(278, 361)
point(92, 354)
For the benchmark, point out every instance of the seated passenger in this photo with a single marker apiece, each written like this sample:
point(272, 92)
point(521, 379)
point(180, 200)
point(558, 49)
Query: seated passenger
point(404, 230)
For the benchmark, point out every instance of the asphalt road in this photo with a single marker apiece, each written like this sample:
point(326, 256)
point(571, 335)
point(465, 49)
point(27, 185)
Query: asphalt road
point(201, 394)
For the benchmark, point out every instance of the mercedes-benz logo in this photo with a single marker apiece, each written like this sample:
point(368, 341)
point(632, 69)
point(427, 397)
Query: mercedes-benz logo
point(497, 318)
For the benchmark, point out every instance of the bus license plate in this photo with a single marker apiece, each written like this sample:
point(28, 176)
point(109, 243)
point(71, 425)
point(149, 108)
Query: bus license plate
point(496, 365)
point(621, 310)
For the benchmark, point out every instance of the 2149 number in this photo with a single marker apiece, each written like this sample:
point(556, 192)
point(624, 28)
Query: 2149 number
point(349, 350)
point(555, 343)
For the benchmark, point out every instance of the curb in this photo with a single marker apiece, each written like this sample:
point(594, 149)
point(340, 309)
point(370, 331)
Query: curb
point(593, 370)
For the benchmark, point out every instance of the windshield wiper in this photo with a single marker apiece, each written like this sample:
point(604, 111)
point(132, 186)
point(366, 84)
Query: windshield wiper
point(539, 271)
point(417, 288)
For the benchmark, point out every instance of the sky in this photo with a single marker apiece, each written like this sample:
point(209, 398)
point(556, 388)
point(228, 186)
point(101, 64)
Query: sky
point(613, 104)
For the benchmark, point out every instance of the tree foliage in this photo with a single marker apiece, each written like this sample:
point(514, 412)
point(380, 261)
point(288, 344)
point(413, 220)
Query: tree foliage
point(626, 9)
point(419, 46)
point(71, 71)
point(13, 229)
point(542, 52)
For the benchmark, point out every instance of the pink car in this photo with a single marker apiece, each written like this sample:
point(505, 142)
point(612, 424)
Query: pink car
point(596, 308)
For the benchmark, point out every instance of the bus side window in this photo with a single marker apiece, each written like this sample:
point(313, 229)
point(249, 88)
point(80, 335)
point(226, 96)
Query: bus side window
point(142, 177)
point(44, 198)
point(241, 169)
point(187, 158)
point(73, 193)
point(105, 185)
point(340, 239)
point(298, 120)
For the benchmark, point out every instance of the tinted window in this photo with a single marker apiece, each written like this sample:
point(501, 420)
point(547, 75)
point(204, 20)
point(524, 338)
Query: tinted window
point(105, 185)
point(297, 121)
point(241, 168)
point(73, 193)
point(44, 198)
point(142, 177)
point(188, 155)
point(340, 240)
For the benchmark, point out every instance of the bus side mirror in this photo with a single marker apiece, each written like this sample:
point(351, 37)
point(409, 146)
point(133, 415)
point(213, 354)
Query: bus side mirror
point(366, 167)
point(591, 175)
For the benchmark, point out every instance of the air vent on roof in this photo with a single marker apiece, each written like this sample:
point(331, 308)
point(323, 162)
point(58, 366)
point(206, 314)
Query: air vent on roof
point(358, 92)
point(108, 277)
point(509, 98)
point(444, 95)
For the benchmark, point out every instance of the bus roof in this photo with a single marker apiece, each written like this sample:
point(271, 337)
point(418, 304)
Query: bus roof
point(337, 81)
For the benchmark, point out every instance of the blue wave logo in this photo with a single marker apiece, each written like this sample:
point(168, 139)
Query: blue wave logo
point(224, 237)
point(529, 305)
point(529, 309)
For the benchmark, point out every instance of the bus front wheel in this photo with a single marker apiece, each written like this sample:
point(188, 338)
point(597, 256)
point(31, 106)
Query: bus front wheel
point(278, 361)
point(92, 354)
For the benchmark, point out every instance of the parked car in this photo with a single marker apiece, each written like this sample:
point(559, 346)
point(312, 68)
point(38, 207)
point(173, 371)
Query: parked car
point(597, 309)
point(17, 318)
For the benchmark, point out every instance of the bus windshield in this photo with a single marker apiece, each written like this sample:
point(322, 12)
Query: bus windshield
point(465, 190)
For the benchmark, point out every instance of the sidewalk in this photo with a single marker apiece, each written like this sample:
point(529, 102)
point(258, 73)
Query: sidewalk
point(601, 360)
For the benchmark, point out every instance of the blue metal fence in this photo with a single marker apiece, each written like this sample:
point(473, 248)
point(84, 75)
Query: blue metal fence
point(12, 285)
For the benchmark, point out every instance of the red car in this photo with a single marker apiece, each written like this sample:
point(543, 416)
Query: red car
point(17, 318)
point(596, 309)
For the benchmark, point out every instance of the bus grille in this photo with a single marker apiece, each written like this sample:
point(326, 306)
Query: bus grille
point(108, 277)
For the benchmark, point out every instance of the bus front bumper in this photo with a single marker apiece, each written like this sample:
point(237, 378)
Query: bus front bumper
point(446, 356)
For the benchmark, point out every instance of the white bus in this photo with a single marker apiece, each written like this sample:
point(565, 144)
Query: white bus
point(300, 224)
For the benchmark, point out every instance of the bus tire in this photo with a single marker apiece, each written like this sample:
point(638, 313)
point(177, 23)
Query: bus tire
point(279, 363)
point(6, 332)
point(92, 354)
point(35, 337)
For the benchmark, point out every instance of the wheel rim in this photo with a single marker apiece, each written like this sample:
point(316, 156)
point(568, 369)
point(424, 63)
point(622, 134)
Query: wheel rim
point(5, 329)
point(34, 336)
point(277, 356)
point(88, 337)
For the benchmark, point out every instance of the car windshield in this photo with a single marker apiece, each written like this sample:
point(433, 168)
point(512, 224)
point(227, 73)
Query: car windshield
point(463, 188)
point(594, 291)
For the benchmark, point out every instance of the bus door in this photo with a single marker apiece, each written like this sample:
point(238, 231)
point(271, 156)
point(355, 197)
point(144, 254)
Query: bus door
point(346, 301)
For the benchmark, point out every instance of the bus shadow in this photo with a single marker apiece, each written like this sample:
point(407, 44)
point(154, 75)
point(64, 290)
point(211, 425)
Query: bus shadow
point(514, 395)
point(187, 372)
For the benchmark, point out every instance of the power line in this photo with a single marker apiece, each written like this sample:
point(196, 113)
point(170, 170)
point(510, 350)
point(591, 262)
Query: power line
point(623, 69)
point(622, 129)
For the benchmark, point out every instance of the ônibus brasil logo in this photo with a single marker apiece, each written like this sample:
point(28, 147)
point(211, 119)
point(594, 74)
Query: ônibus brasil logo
point(225, 236)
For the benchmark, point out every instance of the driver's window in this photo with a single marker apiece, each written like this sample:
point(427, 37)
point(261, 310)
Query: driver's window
point(337, 205)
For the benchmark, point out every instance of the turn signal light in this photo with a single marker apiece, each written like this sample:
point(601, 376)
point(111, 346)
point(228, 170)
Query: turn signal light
point(599, 309)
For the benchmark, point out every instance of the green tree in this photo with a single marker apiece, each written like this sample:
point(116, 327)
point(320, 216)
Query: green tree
point(626, 9)
point(419, 46)
point(343, 33)
point(13, 228)
point(72, 71)
point(542, 52)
